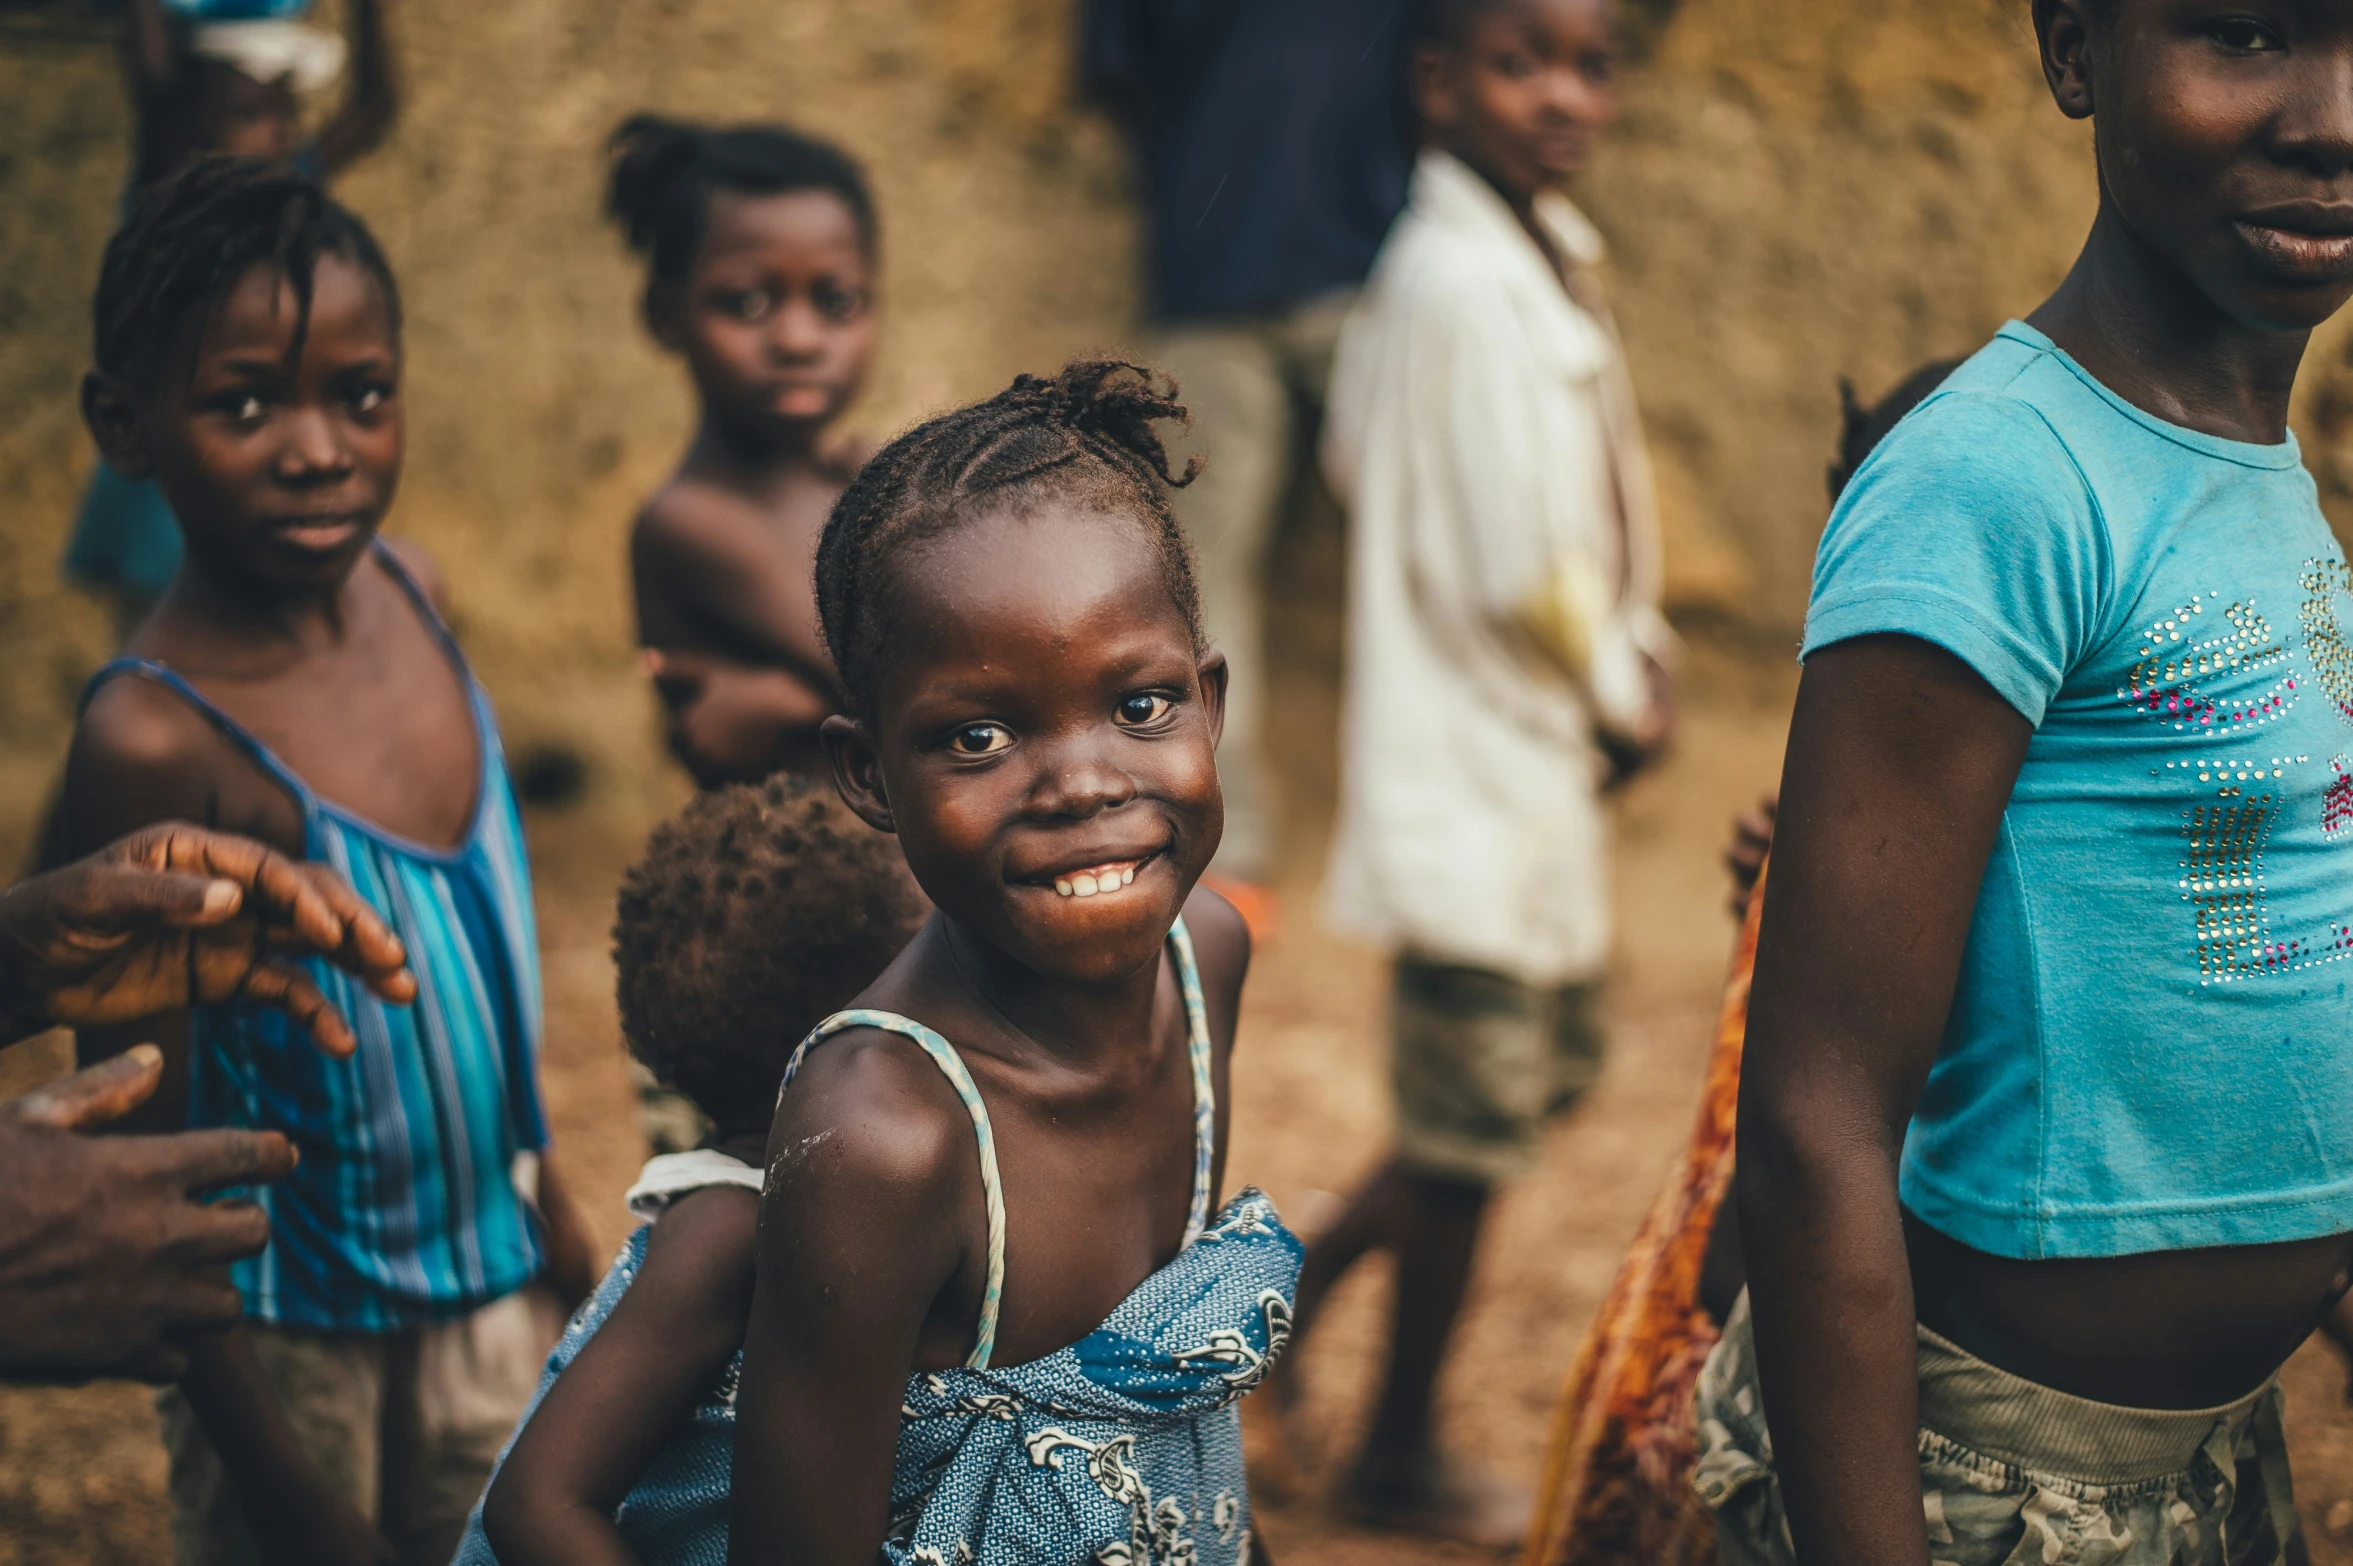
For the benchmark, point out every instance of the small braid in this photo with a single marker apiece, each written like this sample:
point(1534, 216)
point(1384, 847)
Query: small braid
point(1085, 435)
point(189, 237)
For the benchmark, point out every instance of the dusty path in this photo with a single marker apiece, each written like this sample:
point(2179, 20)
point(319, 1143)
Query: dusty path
point(81, 1473)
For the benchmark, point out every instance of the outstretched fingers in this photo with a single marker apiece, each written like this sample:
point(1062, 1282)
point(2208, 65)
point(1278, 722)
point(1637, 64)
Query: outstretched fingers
point(269, 982)
point(303, 907)
point(104, 1092)
point(199, 1161)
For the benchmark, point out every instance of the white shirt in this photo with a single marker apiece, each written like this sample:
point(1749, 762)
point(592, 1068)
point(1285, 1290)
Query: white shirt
point(1481, 432)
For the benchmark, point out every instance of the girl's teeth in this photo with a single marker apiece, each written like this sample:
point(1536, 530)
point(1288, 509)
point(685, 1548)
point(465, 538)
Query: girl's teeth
point(1089, 883)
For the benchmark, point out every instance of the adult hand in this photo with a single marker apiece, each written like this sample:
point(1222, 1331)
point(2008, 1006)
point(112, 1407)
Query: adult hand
point(103, 1250)
point(176, 916)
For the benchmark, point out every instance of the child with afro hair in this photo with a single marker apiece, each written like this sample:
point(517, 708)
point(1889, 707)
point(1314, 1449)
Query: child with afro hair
point(756, 911)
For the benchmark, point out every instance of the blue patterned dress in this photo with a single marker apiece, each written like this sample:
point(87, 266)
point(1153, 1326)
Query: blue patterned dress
point(1125, 1447)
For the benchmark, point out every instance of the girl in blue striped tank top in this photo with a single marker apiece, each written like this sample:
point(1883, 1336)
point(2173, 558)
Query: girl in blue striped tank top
point(295, 685)
point(999, 1313)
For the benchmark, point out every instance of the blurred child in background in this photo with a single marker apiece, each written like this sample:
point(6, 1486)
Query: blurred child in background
point(295, 686)
point(760, 255)
point(999, 1315)
point(754, 914)
point(203, 83)
point(1504, 669)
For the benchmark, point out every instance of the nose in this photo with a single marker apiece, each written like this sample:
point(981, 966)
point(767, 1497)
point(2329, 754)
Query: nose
point(313, 451)
point(799, 333)
point(2315, 126)
point(1075, 782)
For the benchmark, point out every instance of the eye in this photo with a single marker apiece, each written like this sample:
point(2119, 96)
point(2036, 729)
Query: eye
point(1517, 63)
point(837, 303)
point(241, 407)
point(1143, 710)
point(979, 739)
point(747, 304)
point(370, 398)
point(2245, 35)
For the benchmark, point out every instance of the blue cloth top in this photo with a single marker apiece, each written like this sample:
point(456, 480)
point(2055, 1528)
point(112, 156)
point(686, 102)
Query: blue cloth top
point(1128, 1439)
point(403, 1208)
point(125, 537)
point(2149, 1045)
point(1274, 140)
point(675, 1514)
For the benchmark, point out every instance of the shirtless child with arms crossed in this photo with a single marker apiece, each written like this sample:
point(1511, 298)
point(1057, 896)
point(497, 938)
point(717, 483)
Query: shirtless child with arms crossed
point(759, 245)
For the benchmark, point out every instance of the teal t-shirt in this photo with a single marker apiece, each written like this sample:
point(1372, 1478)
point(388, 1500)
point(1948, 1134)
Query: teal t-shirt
point(2151, 1046)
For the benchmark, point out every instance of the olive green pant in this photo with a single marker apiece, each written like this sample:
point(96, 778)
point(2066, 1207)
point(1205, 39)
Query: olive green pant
point(1482, 1063)
point(2017, 1474)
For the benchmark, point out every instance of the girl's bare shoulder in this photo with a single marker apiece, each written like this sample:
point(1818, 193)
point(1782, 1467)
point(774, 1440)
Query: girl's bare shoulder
point(868, 1113)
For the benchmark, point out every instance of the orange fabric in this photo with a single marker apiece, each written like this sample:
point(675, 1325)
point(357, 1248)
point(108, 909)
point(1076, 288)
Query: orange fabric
point(1617, 1475)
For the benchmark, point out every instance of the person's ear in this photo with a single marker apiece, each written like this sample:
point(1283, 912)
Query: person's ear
point(1434, 93)
point(1214, 675)
point(664, 307)
point(857, 771)
point(115, 426)
point(2063, 33)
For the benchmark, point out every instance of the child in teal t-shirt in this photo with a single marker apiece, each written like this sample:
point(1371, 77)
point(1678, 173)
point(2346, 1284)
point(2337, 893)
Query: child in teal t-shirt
point(2046, 1124)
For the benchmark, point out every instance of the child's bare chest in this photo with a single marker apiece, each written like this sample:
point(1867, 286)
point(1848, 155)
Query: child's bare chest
point(381, 727)
point(1095, 1203)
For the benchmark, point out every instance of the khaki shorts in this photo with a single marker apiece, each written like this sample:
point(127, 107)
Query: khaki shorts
point(1482, 1063)
point(2014, 1472)
point(405, 1425)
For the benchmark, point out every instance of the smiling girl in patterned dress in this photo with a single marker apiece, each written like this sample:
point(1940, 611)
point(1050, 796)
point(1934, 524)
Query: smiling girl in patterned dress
point(996, 1318)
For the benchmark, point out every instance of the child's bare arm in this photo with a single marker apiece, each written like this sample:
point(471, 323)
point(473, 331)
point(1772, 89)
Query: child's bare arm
point(1901, 761)
point(731, 722)
point(660, 1351)
point(148, 47)
point(873, 1193)
point(295, 1517)
point(368, 113)
point(720, 560)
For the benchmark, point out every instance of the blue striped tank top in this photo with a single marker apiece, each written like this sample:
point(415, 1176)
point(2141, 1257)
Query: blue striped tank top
point(403, 1208)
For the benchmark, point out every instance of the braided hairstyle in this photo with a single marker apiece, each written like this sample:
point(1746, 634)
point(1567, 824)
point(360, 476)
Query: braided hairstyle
point(191, 236)
point(755, 912)
point(1084, 436)
point(666, 171)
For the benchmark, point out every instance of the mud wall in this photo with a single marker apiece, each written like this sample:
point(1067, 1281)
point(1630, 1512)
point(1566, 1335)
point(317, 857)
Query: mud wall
point(1800, 189)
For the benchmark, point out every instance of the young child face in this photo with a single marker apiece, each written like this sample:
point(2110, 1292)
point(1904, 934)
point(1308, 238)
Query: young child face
point(281, 469)
point(775, 317)
point(2226, 143)
point(1045, 732)
point(242, 117)
point(1524, 91)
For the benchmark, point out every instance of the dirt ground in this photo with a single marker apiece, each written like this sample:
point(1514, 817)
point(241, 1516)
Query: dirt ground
point(81, 1472)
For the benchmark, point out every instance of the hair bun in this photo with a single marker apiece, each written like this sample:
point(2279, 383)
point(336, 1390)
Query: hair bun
point(648, 151)
point(1113, 400)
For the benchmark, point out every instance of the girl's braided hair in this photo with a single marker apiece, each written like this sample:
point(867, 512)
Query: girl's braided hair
point(1085, 436)
point(190, 237)
point(665, 172)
